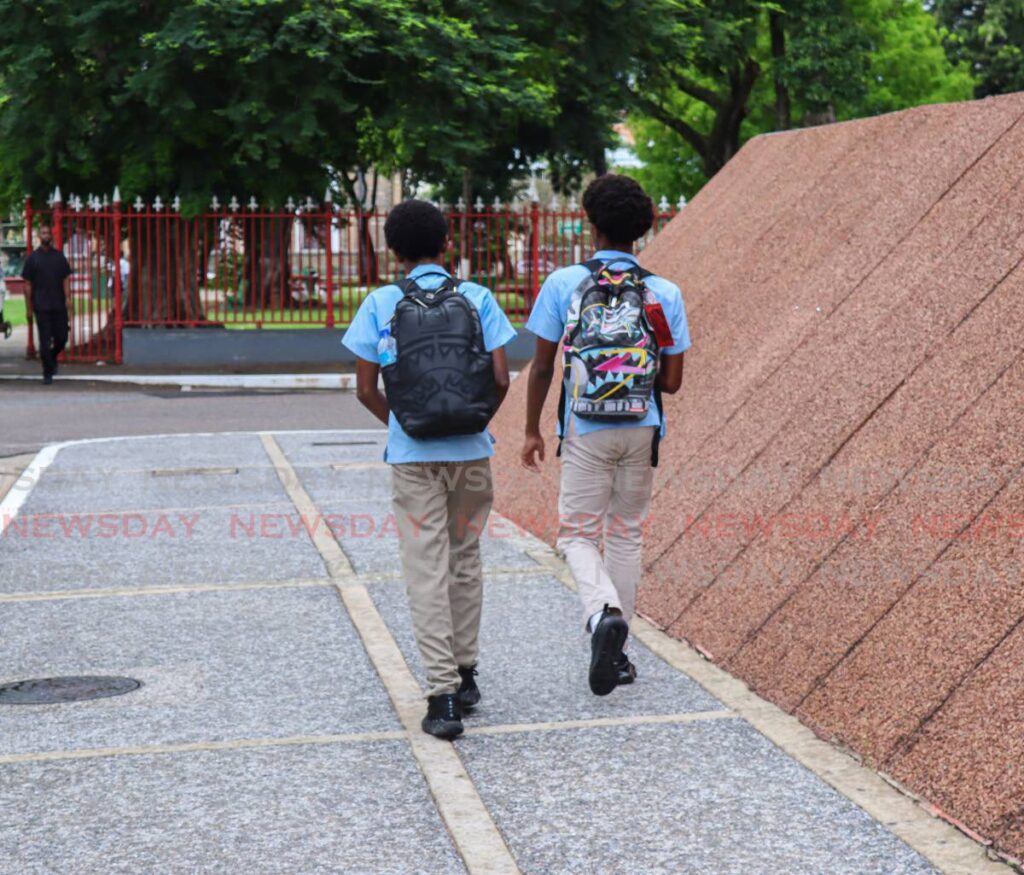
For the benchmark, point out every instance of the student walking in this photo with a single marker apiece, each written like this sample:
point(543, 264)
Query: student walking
point(437, 341)
point(47, 272)
point(621, 333)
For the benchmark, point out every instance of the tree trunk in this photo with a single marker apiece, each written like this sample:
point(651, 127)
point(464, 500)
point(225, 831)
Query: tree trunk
point(783, 108)
point(724, 140)
point(163, 285)
point(825, 116)
point(268, 247)
point(369, 275)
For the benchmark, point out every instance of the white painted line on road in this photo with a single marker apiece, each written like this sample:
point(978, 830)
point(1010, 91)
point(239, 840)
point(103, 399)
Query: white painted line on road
point(19, 491)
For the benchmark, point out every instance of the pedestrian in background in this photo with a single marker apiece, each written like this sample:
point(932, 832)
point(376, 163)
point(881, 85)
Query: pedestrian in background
point(48, 274)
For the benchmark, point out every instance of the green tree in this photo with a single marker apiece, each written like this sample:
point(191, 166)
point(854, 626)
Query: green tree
point(264, 98)
point(750, 67)
point(988, 37)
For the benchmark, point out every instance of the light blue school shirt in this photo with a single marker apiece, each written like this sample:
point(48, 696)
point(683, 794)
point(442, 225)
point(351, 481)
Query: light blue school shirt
point(552, 307)
point(363, 336)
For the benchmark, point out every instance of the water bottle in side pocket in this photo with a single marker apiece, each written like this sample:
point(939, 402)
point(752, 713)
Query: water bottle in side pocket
point(387, 348)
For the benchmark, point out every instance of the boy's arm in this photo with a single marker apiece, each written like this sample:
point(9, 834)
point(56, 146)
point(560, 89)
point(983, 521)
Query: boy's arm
point(542, 370)
point(367, 391)
point(670, 373)
point(501, 379)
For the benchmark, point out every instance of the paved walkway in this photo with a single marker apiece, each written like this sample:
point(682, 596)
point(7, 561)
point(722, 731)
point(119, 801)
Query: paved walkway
point(251, 583)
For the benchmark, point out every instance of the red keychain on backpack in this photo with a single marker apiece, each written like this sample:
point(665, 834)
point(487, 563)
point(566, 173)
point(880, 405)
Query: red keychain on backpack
point(656, 319)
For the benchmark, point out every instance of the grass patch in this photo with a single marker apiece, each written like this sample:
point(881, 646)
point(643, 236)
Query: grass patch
point(512, 302)
point(14, 310)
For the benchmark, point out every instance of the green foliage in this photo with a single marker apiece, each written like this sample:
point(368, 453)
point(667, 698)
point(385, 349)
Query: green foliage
point(739, 69)
point(670, 165)
point(907, 65)
point(988, 37)
point(264, 97)
point(278, 98)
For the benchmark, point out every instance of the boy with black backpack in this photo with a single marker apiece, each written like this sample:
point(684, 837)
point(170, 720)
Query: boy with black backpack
point(621, 333)
point(437, 341)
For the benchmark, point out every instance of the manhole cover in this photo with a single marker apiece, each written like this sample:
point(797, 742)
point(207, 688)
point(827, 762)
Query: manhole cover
point(49, 691)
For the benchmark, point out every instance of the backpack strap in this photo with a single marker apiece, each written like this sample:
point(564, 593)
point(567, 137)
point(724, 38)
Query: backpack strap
point(595, 265)
point(656, 440)
point(409, 285)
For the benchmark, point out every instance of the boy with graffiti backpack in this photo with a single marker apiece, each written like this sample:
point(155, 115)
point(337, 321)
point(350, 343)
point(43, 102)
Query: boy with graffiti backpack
point(437, 342)
point(620, 333)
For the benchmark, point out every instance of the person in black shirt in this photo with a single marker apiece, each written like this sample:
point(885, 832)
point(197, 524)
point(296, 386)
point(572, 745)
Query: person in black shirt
point(47, 272)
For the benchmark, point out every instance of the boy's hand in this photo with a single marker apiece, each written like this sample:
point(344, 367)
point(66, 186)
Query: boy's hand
point(533, 446)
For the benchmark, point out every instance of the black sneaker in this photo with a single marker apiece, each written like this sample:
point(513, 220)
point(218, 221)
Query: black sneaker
point(469, 692)
point(626, 670)
point(47, 380)
point(605, 650)
point(444, 716)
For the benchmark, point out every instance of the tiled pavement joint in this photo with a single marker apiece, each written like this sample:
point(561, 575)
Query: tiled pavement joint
point(368, 579)
point(472, 829)
point(334, 557)
point(949, 849)
point(198, 746)
point(411, 703)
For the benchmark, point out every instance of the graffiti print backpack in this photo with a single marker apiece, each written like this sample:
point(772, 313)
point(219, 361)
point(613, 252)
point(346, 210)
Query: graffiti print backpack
point(442, 383)
point(610, 347)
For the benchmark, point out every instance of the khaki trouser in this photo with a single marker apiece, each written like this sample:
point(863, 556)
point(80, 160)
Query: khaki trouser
point(605, 498)
point(441, 509)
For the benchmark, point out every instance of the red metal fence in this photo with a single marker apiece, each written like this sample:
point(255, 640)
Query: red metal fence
point(308, 265)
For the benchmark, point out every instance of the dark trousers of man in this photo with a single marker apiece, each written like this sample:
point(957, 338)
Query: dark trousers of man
point(53, 337)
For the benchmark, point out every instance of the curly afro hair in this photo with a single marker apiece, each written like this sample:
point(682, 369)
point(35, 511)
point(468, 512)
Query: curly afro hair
point(619, 208)
point(415, 230)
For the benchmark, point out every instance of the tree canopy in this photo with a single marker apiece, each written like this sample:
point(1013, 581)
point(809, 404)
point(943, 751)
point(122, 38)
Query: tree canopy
point(987, 36)
point(270, 99)
point(279, 98)
point(761, 66)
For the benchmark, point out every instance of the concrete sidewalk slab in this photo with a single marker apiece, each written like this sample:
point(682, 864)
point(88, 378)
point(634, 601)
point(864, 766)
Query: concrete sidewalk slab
point(325, 448)
point(710, 798)
point(534, 658)
point(49, 553)
point(362, 482)
point(265, 737)
point(215, 666)
point(162, 451)
point(319, 810)
point(170, 485)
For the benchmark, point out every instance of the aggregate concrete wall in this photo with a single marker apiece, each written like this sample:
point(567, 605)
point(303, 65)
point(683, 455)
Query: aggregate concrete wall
point(839, 513)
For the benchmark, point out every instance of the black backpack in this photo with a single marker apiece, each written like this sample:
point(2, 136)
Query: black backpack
point(442, 384)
